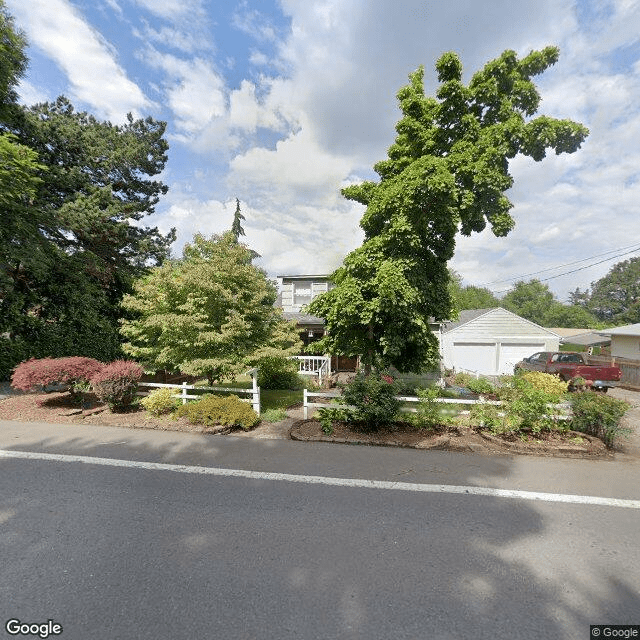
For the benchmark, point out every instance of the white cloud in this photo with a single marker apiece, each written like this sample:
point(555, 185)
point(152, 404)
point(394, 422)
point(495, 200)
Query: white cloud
point(87, 59)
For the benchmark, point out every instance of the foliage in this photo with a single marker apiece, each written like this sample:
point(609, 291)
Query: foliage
point(488, 415)
point(328, 415)
point(600, 416)
point(117, 383)
point(374, 399)
point(550, 384)
point(72, 371)
point(210, 314)
point(528, 408)
point(470, 297)
point(274, 415)
point(462, 379)
point(73, 192)
point(615, 298)
point(276, 372)
point(430, 413)
point(480, 386)
point(447, 172)
point(161, 401)
point(213, 410)
point(535, 302)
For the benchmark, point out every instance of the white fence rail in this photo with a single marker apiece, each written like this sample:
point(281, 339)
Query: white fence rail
point(308, 394)
point(254, 392)
point(313, 366)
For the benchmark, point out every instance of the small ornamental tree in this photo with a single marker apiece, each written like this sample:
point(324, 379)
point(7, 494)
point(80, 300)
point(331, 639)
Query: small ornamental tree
point(117, 383)
point(210, 314)
point(74, 371)
point(447, 172)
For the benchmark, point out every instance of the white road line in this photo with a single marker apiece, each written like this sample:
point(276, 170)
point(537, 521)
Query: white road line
point(338, 482)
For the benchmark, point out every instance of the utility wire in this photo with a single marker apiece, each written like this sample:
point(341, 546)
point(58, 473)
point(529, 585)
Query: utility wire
point(568, 264)
point(566, 273)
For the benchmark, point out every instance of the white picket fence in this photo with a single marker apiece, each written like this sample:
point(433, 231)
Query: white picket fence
point(314, 366)
point(308, 394)
point(254, 392)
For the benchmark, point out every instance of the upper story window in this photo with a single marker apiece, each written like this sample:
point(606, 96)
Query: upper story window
point(302, 292)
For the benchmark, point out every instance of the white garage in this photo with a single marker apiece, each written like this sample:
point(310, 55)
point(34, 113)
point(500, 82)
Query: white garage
point(491, 341)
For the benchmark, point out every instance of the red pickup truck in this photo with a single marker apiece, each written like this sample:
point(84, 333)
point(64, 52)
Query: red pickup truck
point(569, 365)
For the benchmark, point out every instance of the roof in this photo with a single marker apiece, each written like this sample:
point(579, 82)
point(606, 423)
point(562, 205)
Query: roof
point(469, 315)
point(324, 276)
point(627, 330)
point(587, 339)
point(566, 332)
point(303, 318)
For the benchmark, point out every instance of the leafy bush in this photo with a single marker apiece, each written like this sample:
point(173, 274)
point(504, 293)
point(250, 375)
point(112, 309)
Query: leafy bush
point(161, 401)
point(598, 415)
point(528, 408)
point(212, 410)
point(489, 415)
point(274, 415)
point(373, 399)
point(431, 413)
point(480, 386)
point(328, 415)
point(462, 379)
point(75, 371)
point(117, 383)
point(278, 373)
point(550, 384)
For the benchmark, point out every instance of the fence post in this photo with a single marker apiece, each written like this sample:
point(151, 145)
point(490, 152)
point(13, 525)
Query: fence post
point(184, 392)
point(304, 395)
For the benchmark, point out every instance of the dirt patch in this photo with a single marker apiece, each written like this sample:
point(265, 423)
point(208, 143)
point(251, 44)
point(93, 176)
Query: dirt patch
point(569, 444)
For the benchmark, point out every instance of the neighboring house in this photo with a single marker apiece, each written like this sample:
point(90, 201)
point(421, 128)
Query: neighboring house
point(298, 291)
point(582, 337)
point(625, 341)
point(491, 341)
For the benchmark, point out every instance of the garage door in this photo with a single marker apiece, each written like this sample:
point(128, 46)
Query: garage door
point(474, 356)
point(510, 353)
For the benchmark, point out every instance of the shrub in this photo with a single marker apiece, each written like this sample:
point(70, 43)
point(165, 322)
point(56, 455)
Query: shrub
point(276, 372)
point(598, 415)
point(550, 384)
point(528, 408)
point(462, 379)
point(480, 386)
point(212, 410)
point(74, 371)
point(161, 401)
point(328, 415)
point(431, 413)
point(117, 383)
point(373, 399)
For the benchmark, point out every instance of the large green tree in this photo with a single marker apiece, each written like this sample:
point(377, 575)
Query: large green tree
point(534, 301)
point(469, 296)
point(74, 191)
point(615, 298)
point(209, 314)
point(447, 172)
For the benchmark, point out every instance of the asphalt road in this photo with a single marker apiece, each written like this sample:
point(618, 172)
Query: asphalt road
point(164, 552)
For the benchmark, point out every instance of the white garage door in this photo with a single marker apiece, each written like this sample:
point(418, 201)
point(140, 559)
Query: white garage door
point(474, 356)
point(514, 352)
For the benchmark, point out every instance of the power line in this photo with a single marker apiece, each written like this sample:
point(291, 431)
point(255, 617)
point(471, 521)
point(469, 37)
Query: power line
point(566, 273)
point(568, 264)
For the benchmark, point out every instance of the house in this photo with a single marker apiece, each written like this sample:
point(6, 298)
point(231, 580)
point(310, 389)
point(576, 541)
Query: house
point(625, 341)
point(491, 341)
point(582, 339)
point(298, 291)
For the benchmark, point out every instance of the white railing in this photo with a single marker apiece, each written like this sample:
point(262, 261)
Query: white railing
point(313, 365)
point(254, 392)
point(307, 394)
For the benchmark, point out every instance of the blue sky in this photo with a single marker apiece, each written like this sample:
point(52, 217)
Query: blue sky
point(283, 102)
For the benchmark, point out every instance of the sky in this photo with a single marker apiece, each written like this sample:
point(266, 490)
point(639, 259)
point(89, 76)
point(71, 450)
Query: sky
point(281, 103)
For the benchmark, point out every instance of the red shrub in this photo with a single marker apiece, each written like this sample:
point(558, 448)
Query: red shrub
point(117, 383)
point(39, 373)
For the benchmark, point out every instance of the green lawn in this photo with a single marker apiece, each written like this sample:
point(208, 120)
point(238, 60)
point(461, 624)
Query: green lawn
point(269, 398)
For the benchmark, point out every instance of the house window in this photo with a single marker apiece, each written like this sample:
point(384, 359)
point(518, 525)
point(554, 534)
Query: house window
point(302, 292)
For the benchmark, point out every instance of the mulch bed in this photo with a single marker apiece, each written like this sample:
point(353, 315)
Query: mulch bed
point(455, 439)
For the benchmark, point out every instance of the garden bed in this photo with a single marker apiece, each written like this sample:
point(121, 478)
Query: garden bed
point(563, 444)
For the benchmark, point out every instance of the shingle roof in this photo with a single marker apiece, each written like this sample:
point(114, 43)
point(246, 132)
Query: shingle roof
point(303, 318)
